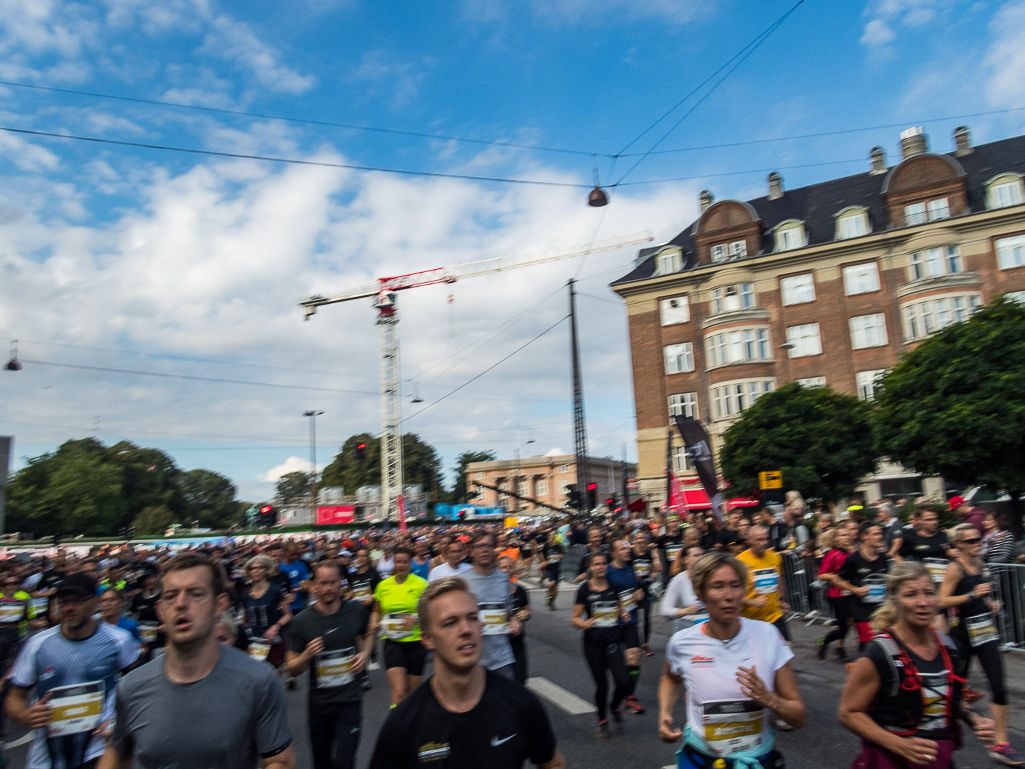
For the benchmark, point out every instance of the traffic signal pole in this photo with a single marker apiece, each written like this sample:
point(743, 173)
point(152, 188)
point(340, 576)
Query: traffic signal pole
point(579, 424)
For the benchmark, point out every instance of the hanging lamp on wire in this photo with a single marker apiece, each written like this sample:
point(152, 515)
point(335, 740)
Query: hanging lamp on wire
point(416, 397)
point(597, 198)
point(13, 364)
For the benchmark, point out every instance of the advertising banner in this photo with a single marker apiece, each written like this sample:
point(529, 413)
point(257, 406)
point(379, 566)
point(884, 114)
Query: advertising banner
point(332, 514)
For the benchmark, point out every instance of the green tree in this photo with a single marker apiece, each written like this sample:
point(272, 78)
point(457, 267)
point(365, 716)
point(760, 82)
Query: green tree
point(955, 406)
point(85, 494)
point(420, 464)
point(821, 440)
point(209, 499)
point(293, 486)
point(153, 521)
point(462, 461)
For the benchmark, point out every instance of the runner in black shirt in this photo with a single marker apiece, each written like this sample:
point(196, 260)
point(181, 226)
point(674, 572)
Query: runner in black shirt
point(603, 644)
point(863, 573)
point(521, 610)
point(463, 717)
point(669, 546)
point(595, 544)
point(927, 544)
point(551, 559)
point(648, 568)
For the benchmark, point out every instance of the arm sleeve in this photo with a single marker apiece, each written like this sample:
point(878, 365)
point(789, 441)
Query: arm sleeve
point(297, 638)
point(582, 592)
point(540, 737)
point(23, 674)
point(783, 652)
point(128, 651)
point(673, 599)
point(846, 570)
point(121, 740)
point(273, 734)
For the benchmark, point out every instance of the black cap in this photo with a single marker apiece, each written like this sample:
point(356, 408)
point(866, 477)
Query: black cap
point(80, 584)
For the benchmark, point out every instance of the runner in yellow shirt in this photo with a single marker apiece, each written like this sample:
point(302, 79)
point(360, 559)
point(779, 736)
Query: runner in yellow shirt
point(394, 615)
point(766, 597)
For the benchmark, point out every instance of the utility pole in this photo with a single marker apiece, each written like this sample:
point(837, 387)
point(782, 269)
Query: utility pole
point(313, 462)
point(579, 425)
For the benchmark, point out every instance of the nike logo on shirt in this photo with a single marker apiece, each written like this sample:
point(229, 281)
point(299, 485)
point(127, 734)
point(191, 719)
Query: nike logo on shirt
point(495, 742)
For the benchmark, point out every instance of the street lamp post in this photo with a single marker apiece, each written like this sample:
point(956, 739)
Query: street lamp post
point(313, 462)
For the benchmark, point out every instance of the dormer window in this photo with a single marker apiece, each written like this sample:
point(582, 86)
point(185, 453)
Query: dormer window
point(733, 298)
point(929, 211)
point(790, 235)
point(723, 251)
point(1004, 190)
point(852, 223)
point(668, 261)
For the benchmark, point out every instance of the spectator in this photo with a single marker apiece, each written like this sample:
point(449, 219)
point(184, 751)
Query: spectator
point(967, 512)
point(998, 543)
point(887, 518)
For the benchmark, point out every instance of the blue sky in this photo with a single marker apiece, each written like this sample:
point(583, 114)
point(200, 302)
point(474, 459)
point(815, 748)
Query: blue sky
point(117, 257)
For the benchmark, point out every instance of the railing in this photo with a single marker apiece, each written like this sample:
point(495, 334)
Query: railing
point(1008, 581)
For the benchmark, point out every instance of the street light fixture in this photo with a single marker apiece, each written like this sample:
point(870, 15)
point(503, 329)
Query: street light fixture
point(313, 461)
point(13, 364)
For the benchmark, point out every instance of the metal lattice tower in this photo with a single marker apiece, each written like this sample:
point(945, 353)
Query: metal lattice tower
point(579, 424)
point(391, 406)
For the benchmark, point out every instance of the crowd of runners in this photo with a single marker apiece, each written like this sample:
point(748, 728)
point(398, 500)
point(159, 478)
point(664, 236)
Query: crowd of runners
point(136, 656)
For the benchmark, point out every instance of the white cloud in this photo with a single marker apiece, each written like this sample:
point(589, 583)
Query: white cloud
point(886, 16)
point(675, 12)
point(290, 465)
point(877, 33)
point(234, 40)
point(379, 71)
point(1005, 58)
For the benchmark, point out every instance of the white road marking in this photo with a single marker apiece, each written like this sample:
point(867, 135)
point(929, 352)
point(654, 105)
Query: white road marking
point(23, 740)
point(555, 694)
point(374, 666)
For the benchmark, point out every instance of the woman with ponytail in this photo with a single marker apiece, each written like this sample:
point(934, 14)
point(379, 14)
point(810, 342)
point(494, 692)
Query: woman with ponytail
point(903, 697)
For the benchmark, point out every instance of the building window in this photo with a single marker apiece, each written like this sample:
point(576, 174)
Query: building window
point(789, 235)
point(563, 468)
point(932, 262)
point(812, 381)
point(929, 316)
point(930, 211)
point(523, 488)
point(860, 278)
point(851, 223)
point(675, 310)
point(868, 331)
point(731, 398)
point(564, 488)
point(478, 476)
point(683, 405)
point(798, 289)
point(669, 260)
point(723, 251)
point(805, 340)
point(1011, 252)
point(1016, 296)
point(866, 381)
point(737, 346)
point(679, 358)
point(733, 298)
point(541, 488)
point(1003, 191)
point(680, 460)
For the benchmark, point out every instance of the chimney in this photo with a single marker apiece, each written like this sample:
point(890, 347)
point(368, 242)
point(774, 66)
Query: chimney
point(775, 186)
point(706, 199)
point(878, 157)
point(913, 141)
point(963, 141)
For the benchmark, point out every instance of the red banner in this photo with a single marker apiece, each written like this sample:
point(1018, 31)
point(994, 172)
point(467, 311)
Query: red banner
point(400, 501)
point(331, 514)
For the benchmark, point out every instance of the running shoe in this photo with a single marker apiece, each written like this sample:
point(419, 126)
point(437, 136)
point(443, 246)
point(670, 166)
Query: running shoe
point(1004, 754)
point(841, 653)
point(822, 648)
point(603, 730)
point(617, 719)
point(646, 651)
point(633, 705)
point(970, 695)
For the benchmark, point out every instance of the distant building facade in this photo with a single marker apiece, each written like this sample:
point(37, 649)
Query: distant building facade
point(828, 284)
point(546, 479)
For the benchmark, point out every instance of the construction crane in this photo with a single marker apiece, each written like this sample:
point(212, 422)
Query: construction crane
point(383, 291)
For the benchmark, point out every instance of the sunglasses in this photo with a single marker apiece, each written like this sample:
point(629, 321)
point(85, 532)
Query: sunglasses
point(973, 541)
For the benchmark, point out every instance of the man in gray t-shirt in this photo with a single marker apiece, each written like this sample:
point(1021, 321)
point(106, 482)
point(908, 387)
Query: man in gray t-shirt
point(494, 602)
point(201, 705)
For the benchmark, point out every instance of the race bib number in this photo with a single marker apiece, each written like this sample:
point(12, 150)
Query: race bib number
point(11, 612)
point(335, 668)
point(40, 606)
point(642, 569)
point(876, 584)
point(937, 568)
point(732, 726)
point(981, 629)
point(766, 581)
point(555, 557)
point(396, 626)
point(627, 599)
point(76, 708)
point(605, 613)
point(258, 649)
point(672, 551)
point(494, 619)
point(361, 591)
point(148, 632)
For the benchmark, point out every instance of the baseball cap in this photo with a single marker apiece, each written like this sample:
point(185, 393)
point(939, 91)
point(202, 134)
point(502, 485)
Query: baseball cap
point(79, 584)
point(955, 502)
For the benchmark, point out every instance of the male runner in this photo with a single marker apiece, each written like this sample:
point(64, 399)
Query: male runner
point(201, 704)
point(669, 546)
point(334, 635)
point(648, 569)
point(455, 557)
point(552, 554)
point(463, 717)
point(620, 574)
point(595, 545)
point(73, 664)
point(765, 599)
point(491, 586)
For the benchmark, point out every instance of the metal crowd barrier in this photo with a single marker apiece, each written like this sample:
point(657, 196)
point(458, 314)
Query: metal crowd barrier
point(1008, 580)
point(806, 594)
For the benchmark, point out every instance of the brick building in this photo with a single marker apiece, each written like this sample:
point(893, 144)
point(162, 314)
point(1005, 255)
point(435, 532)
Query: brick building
point(827, 285)
point(545, 479)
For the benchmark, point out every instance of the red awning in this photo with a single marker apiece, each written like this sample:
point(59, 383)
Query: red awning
point(697, 499)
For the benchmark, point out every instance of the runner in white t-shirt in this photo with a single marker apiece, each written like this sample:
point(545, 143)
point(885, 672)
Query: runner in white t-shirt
point(737, 674)
point(454, 565)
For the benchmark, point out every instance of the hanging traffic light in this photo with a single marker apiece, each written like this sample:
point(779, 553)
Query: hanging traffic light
point(361, 451)
point(592, 496)
point(610, 503)
point(573, 499)
point(268, 516)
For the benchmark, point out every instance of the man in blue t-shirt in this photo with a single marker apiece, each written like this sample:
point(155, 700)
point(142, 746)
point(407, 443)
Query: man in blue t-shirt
point(620, 574)
point(298, 572)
